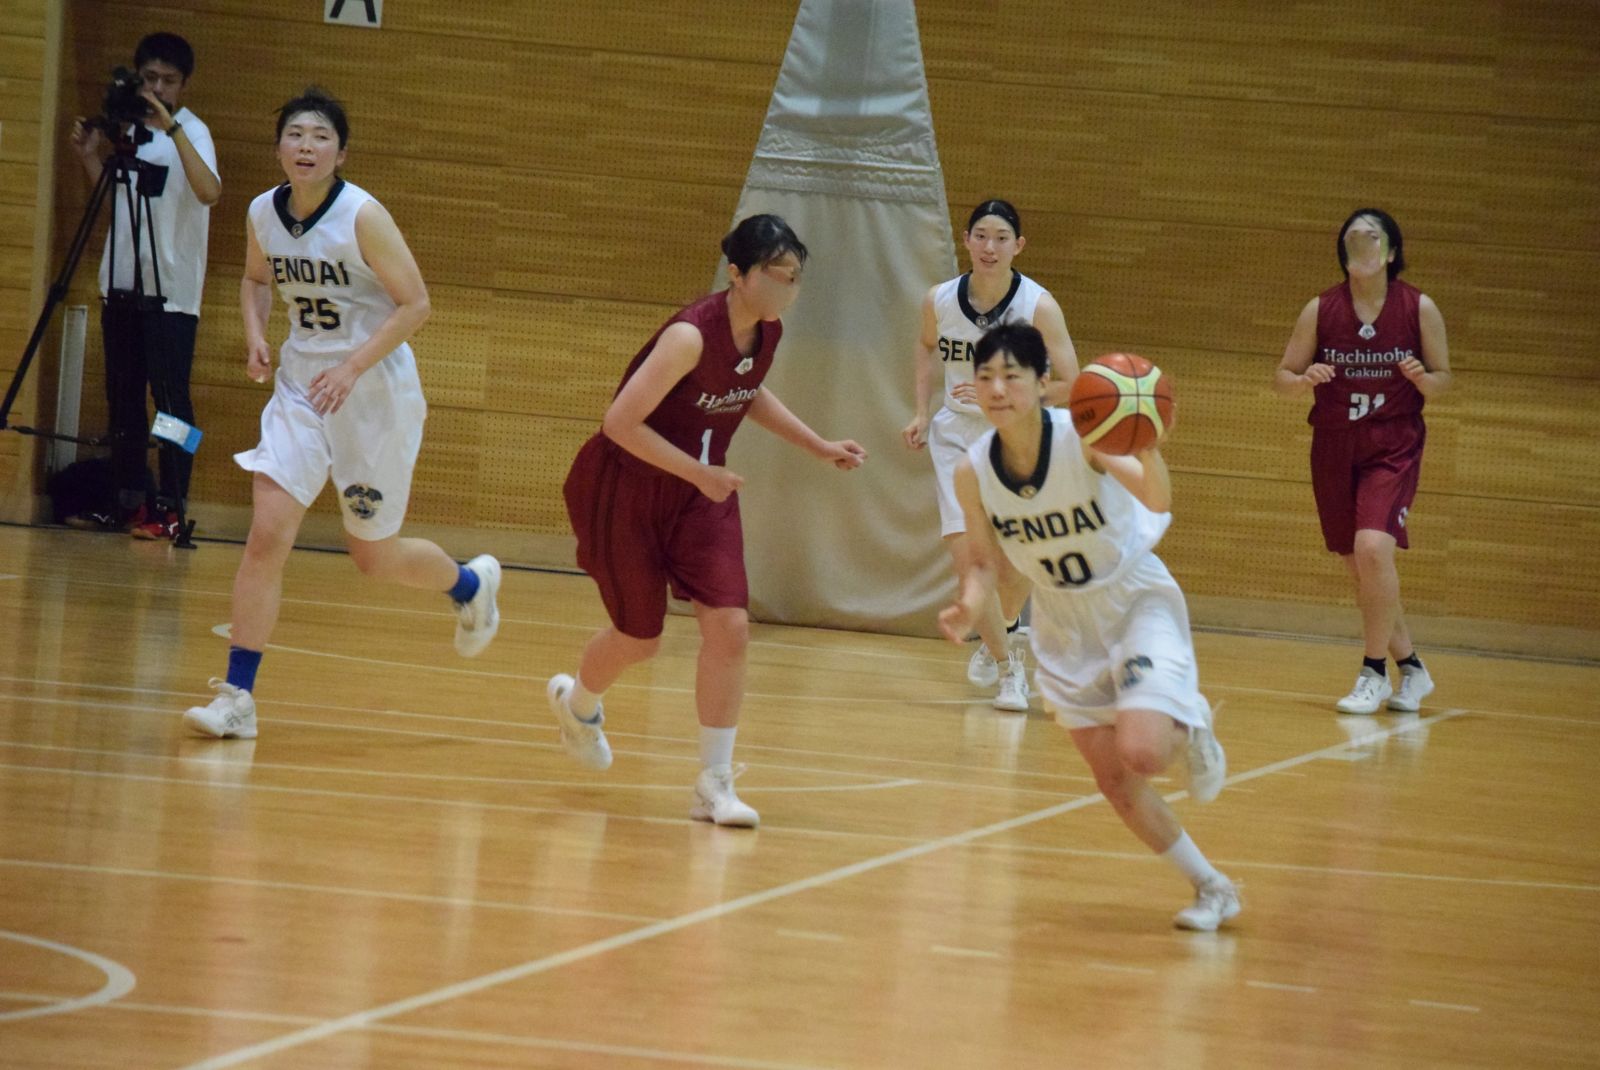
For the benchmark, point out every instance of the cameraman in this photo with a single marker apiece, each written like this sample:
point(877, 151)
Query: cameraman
point(154, 345)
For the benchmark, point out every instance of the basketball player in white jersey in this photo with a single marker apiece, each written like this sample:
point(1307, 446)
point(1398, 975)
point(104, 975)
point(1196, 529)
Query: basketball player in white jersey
point(955, 314)
point(1114, 659)
point(346, 402)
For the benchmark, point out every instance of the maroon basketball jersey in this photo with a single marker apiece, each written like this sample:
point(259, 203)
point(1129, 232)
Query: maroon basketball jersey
point(701, 413)
point(1367, 384)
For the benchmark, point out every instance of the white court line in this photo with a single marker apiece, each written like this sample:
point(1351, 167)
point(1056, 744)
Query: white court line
point(213, 764)
point(9, 576)
point(364, 1019)
point(1466, 1007)
point(324, 889)
point(1276, 987)
point(806, 934)
point(336, 726)
point(535, 725)
point(1334, 871)
point(119, 980)
point(1118, 967)
point(963, 952)
point(467, 1035)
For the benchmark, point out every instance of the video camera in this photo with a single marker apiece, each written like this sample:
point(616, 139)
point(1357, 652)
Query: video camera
point(122, 103)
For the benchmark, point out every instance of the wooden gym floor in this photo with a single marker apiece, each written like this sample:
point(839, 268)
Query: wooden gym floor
point(406, 871)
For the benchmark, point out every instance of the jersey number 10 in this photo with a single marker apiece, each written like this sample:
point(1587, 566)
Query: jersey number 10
point(1072, 570)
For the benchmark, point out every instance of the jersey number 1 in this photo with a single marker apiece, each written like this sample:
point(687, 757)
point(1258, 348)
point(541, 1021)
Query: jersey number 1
point(325, 311)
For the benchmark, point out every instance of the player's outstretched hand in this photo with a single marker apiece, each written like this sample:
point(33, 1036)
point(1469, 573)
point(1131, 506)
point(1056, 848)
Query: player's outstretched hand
point(258, 360)
point(955, 621)
point(916, 433)
point(718, 483)
point(844, 455)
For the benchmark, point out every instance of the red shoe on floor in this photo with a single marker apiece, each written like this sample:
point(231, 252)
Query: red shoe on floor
point(154, 528)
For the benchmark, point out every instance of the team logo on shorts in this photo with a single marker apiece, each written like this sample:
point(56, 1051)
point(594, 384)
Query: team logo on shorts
point(362, 501)
point(1404, 509)
point(1133, 670)
point(745, 365)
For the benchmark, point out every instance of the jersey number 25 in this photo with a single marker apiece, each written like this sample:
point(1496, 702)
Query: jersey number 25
point(321, 314)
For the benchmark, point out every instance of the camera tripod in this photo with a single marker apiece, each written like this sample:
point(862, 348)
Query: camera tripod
point(123, 168)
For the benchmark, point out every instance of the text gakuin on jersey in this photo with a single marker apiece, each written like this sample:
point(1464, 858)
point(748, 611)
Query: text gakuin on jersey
point(303, 269)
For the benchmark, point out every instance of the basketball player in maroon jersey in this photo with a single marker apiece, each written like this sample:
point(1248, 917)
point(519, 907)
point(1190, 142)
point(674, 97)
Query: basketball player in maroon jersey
point(654, 504)
point(1371, 349)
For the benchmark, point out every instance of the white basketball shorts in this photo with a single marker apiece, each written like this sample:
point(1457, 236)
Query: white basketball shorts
point(950, 434)
point(1124, 646)
point(369, 446)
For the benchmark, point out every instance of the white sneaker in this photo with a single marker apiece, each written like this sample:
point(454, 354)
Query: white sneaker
point(1013, 696)
point(1415, 685)
point(584, 740)
point(715, 800)
point(231, 714)
point(1370, 692)
point(982, 669)
point(477, 620)
point(1215, 901)
point(1208, 765)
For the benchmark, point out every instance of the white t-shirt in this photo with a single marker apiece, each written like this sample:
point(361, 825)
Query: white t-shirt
point(181, 224)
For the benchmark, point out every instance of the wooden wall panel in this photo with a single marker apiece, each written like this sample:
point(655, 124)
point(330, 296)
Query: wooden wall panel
point(1181, 170)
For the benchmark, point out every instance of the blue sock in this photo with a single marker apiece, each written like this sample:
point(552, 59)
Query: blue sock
point(466, 584)
point(242, 666)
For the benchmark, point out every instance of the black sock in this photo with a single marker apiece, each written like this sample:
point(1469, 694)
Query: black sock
point(1410, 661)
point(1014, 625)
point(1377, 665)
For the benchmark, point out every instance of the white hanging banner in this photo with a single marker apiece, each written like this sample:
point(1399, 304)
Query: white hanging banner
point(847, 156)
point(368, 13)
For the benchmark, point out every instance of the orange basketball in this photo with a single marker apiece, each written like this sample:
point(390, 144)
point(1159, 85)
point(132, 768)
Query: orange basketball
point(1121, 403)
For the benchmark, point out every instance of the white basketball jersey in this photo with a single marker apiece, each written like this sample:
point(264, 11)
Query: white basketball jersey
point(960, 327)
point(335, 300)
point(1068, 528)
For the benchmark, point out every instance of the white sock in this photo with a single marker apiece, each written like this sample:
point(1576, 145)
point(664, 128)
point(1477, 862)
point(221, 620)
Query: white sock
point(1187, 858)
point(716, 746)
point(581, 701)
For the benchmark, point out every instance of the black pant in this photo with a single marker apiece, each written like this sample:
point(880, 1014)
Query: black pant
point(155, 348)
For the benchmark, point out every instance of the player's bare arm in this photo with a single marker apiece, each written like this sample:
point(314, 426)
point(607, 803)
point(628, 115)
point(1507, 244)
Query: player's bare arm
point(255, 306)
point(775, 416)
point(674, 356)
point(1296, 372)
point(1145, 475)
point(1431, 374)
point(976, 557)
point(916, 432)
point(1052, 324)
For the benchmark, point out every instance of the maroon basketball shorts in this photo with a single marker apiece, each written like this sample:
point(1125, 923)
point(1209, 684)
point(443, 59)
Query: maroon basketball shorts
point(641, 530)
point(1365, 477)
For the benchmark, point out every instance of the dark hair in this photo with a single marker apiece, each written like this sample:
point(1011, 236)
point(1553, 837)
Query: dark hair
point(1022, 341)
point(315, 99)
point(761, 239)
point(1397, 244)
point(994, 206)
point(168, 48)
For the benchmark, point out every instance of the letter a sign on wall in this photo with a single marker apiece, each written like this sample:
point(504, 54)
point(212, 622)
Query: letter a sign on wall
point(367, 13)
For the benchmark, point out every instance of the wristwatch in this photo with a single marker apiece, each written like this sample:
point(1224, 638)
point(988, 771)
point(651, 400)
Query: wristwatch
point(172, 131)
